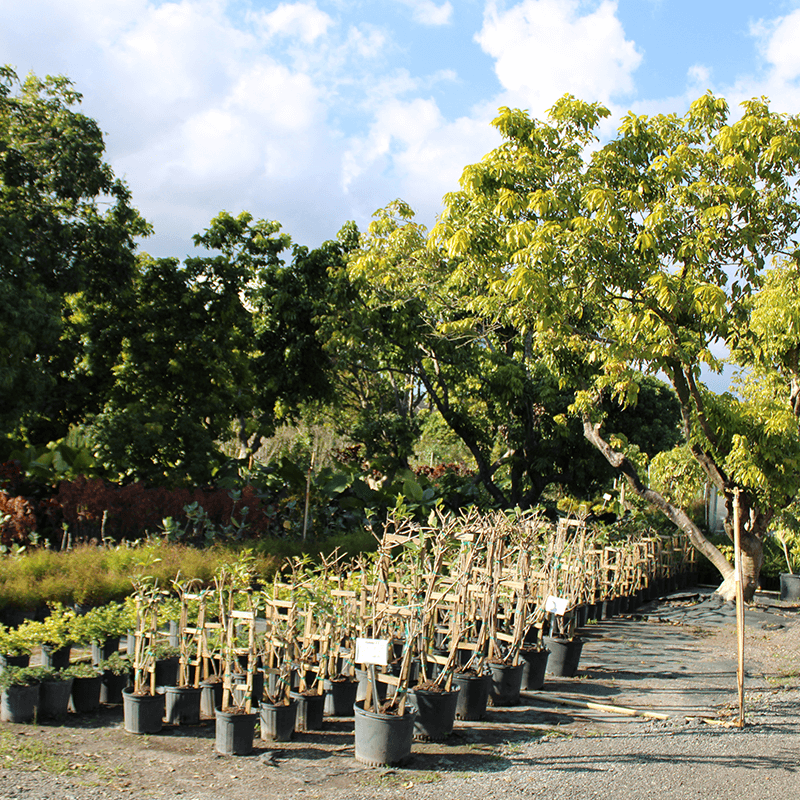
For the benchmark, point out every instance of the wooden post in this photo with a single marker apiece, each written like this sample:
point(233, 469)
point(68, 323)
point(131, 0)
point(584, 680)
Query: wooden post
point(737, 541)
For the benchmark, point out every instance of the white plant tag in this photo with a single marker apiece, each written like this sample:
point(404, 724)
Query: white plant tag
point(372, 651)
point(556, 605)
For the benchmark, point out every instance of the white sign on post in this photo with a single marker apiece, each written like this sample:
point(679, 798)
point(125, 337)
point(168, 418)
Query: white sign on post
point(556, 605)
point(372, 651)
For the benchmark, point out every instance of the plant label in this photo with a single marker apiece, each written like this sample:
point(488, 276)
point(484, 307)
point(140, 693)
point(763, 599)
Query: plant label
point(372, 651)
point(556, 605)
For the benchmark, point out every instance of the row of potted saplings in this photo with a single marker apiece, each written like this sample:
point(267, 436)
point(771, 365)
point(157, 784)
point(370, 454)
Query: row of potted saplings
point(60, 683)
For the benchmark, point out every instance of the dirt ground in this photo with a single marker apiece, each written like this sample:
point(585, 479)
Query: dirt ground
point(675, 658)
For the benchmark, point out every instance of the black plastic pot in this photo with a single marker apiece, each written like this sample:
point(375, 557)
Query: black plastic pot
point(383, 739)
point(565, 655)
point(210, 697)
point(790, 587)
point(277, 722)
point(234, 732)
point(534, 666)
point(182, 705)
point(105, 649)
point(505, 684)
point(14, 661)
point(436, 712)
point(54, 698)
point(310, 710)
point(167, 671)
point(112, 685)
point(473, 696)
point(142, 713)
point(18, 703)
point(363, 680)
point(86, 694)
point(56, 657)
point(340, 696)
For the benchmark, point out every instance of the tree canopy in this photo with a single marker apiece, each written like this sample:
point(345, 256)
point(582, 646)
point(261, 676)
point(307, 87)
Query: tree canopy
point(651, 254)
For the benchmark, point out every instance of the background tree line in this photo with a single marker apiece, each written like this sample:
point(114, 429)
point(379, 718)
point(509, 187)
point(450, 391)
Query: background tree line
point(550, 331)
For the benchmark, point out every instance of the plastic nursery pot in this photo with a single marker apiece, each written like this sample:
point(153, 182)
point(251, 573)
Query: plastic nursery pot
point(54, 698)
point(18, 703)
point(86, 694)
point(383, 739)
point(112, 685)
point(505, 684)
point(790, 586)
point(14, 661)
point(210, 696)
point(142, 713)
point(340, 695)
point(56, 657)
point(473, 697)
point(436, 712)
point(363, 681)
point(310, 710)
point(565, 655)
point(182, 705)
point(278, 722)
point(234, 732)
point(534, 663)
point(105, 649)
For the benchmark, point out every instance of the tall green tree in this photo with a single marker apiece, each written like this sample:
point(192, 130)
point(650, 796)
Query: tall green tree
point(67, 238)
point(479, 369)
point(650, 253)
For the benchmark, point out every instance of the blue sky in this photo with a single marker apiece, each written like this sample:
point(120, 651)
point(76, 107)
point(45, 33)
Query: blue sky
point(312, 113)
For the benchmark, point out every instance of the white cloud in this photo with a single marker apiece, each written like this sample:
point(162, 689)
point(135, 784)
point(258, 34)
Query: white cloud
point(300, 20)
point(777, 42)
point(426, 12)
point(545, 48)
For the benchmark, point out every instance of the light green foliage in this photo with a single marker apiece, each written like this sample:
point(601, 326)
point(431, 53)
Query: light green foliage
point(649, 253)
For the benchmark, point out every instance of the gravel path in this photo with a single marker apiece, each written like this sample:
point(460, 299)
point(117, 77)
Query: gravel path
point(676, 658)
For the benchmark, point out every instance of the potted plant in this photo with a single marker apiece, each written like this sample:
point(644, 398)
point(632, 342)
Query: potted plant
point(15, 647)
point(117, 672)
point(55, 635)
point(182, 698)
point(86, 685)
point(55, 690)
point(142, 706)
point(790, 581)
point(235, 719)
point(102, 628)
point(19, 693)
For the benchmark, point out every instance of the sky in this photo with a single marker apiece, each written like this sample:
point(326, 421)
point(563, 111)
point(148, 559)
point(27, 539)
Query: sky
point(314, 113)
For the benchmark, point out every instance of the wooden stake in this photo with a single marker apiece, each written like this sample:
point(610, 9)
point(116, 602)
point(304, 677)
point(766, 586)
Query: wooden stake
point(737, 543)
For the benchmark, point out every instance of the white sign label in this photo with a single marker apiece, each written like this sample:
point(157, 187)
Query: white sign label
point(556, 605)
point(372, 651)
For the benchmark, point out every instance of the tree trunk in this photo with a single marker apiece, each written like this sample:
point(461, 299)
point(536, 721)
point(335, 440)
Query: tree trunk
point(655, 499)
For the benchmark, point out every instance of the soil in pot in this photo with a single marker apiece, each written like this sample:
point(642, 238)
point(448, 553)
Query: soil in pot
point(340, 696)
point(278, 721)
point(234, 731)
point(383, 739)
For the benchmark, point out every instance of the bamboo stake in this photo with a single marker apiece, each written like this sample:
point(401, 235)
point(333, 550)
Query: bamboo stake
point(737, 535)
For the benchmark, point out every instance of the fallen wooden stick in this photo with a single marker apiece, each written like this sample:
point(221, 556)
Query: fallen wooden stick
point(606, 707)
